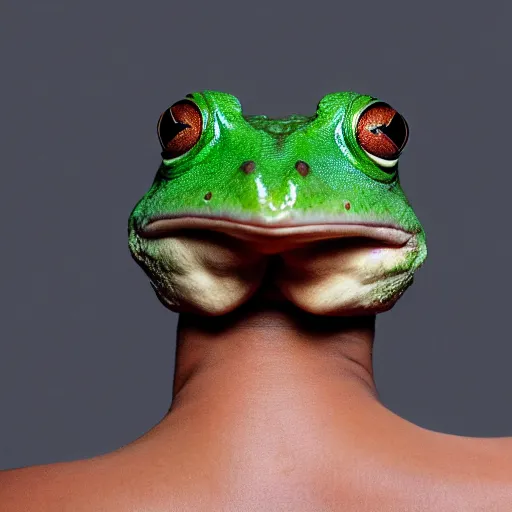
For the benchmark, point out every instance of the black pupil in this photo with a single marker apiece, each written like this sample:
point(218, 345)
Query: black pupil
point(169, 128)
point(396, 130)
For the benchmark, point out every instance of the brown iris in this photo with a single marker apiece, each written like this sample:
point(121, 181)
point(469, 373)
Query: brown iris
point(179, 128)
point(382, 131)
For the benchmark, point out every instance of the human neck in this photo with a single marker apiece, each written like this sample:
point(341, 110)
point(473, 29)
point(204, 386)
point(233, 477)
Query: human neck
point(271, 352)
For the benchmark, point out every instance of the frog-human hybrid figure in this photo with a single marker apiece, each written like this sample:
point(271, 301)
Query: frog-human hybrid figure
point(311, 204)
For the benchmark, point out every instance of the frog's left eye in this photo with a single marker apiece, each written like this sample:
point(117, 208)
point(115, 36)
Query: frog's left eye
point(179, 128)
point(382, 133)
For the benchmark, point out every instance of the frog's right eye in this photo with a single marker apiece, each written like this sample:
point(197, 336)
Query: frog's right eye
point(179, 128)
point(382, 133)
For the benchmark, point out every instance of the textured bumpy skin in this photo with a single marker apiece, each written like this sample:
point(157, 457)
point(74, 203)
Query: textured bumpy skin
point(296, 201)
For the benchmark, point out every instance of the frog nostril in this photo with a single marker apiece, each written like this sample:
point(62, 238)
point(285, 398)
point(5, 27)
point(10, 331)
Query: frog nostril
point(248, 166)
point(208, 196)
point(302, 168)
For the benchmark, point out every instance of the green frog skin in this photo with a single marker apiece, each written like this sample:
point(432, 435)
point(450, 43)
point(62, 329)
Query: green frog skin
point(311, 204)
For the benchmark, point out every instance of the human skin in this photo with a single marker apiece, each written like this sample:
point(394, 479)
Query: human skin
point(275, 409)
point(278, 284)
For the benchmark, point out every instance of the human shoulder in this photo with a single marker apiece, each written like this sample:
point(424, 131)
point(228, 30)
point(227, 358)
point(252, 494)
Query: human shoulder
point(103, 483)
point(58, 486)
point(30, 488)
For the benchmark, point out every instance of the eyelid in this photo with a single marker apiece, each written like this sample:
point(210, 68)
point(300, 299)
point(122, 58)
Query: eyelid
point(381, 161)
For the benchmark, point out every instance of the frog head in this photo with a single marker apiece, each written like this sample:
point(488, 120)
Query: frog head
point(312, 204)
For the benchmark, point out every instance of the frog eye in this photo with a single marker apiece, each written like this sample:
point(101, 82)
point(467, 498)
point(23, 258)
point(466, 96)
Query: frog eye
point(382, 133)
point(179, 128)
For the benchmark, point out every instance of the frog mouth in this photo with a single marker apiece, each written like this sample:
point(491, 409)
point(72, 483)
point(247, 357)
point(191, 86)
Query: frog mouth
point(274, 237)
point(211, 264)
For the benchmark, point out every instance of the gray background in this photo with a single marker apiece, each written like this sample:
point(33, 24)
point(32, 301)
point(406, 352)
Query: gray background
point(87, 350)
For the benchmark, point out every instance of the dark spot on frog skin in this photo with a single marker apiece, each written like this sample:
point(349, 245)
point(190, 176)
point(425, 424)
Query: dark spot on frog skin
point(248, 167)
point(208, 196)
point(302, 168)
point(347, 205)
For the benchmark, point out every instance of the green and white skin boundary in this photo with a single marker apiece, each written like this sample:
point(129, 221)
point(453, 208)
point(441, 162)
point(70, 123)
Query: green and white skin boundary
point(313, 202)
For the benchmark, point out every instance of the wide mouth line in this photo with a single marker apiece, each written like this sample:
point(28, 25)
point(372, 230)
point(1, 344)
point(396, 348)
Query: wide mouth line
point(164, 226)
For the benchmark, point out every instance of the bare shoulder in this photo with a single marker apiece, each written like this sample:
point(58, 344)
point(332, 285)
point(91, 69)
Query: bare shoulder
point(43, 488)
point(77, 486)
point(28, 488)
point(108, 483)
point(138, 479)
